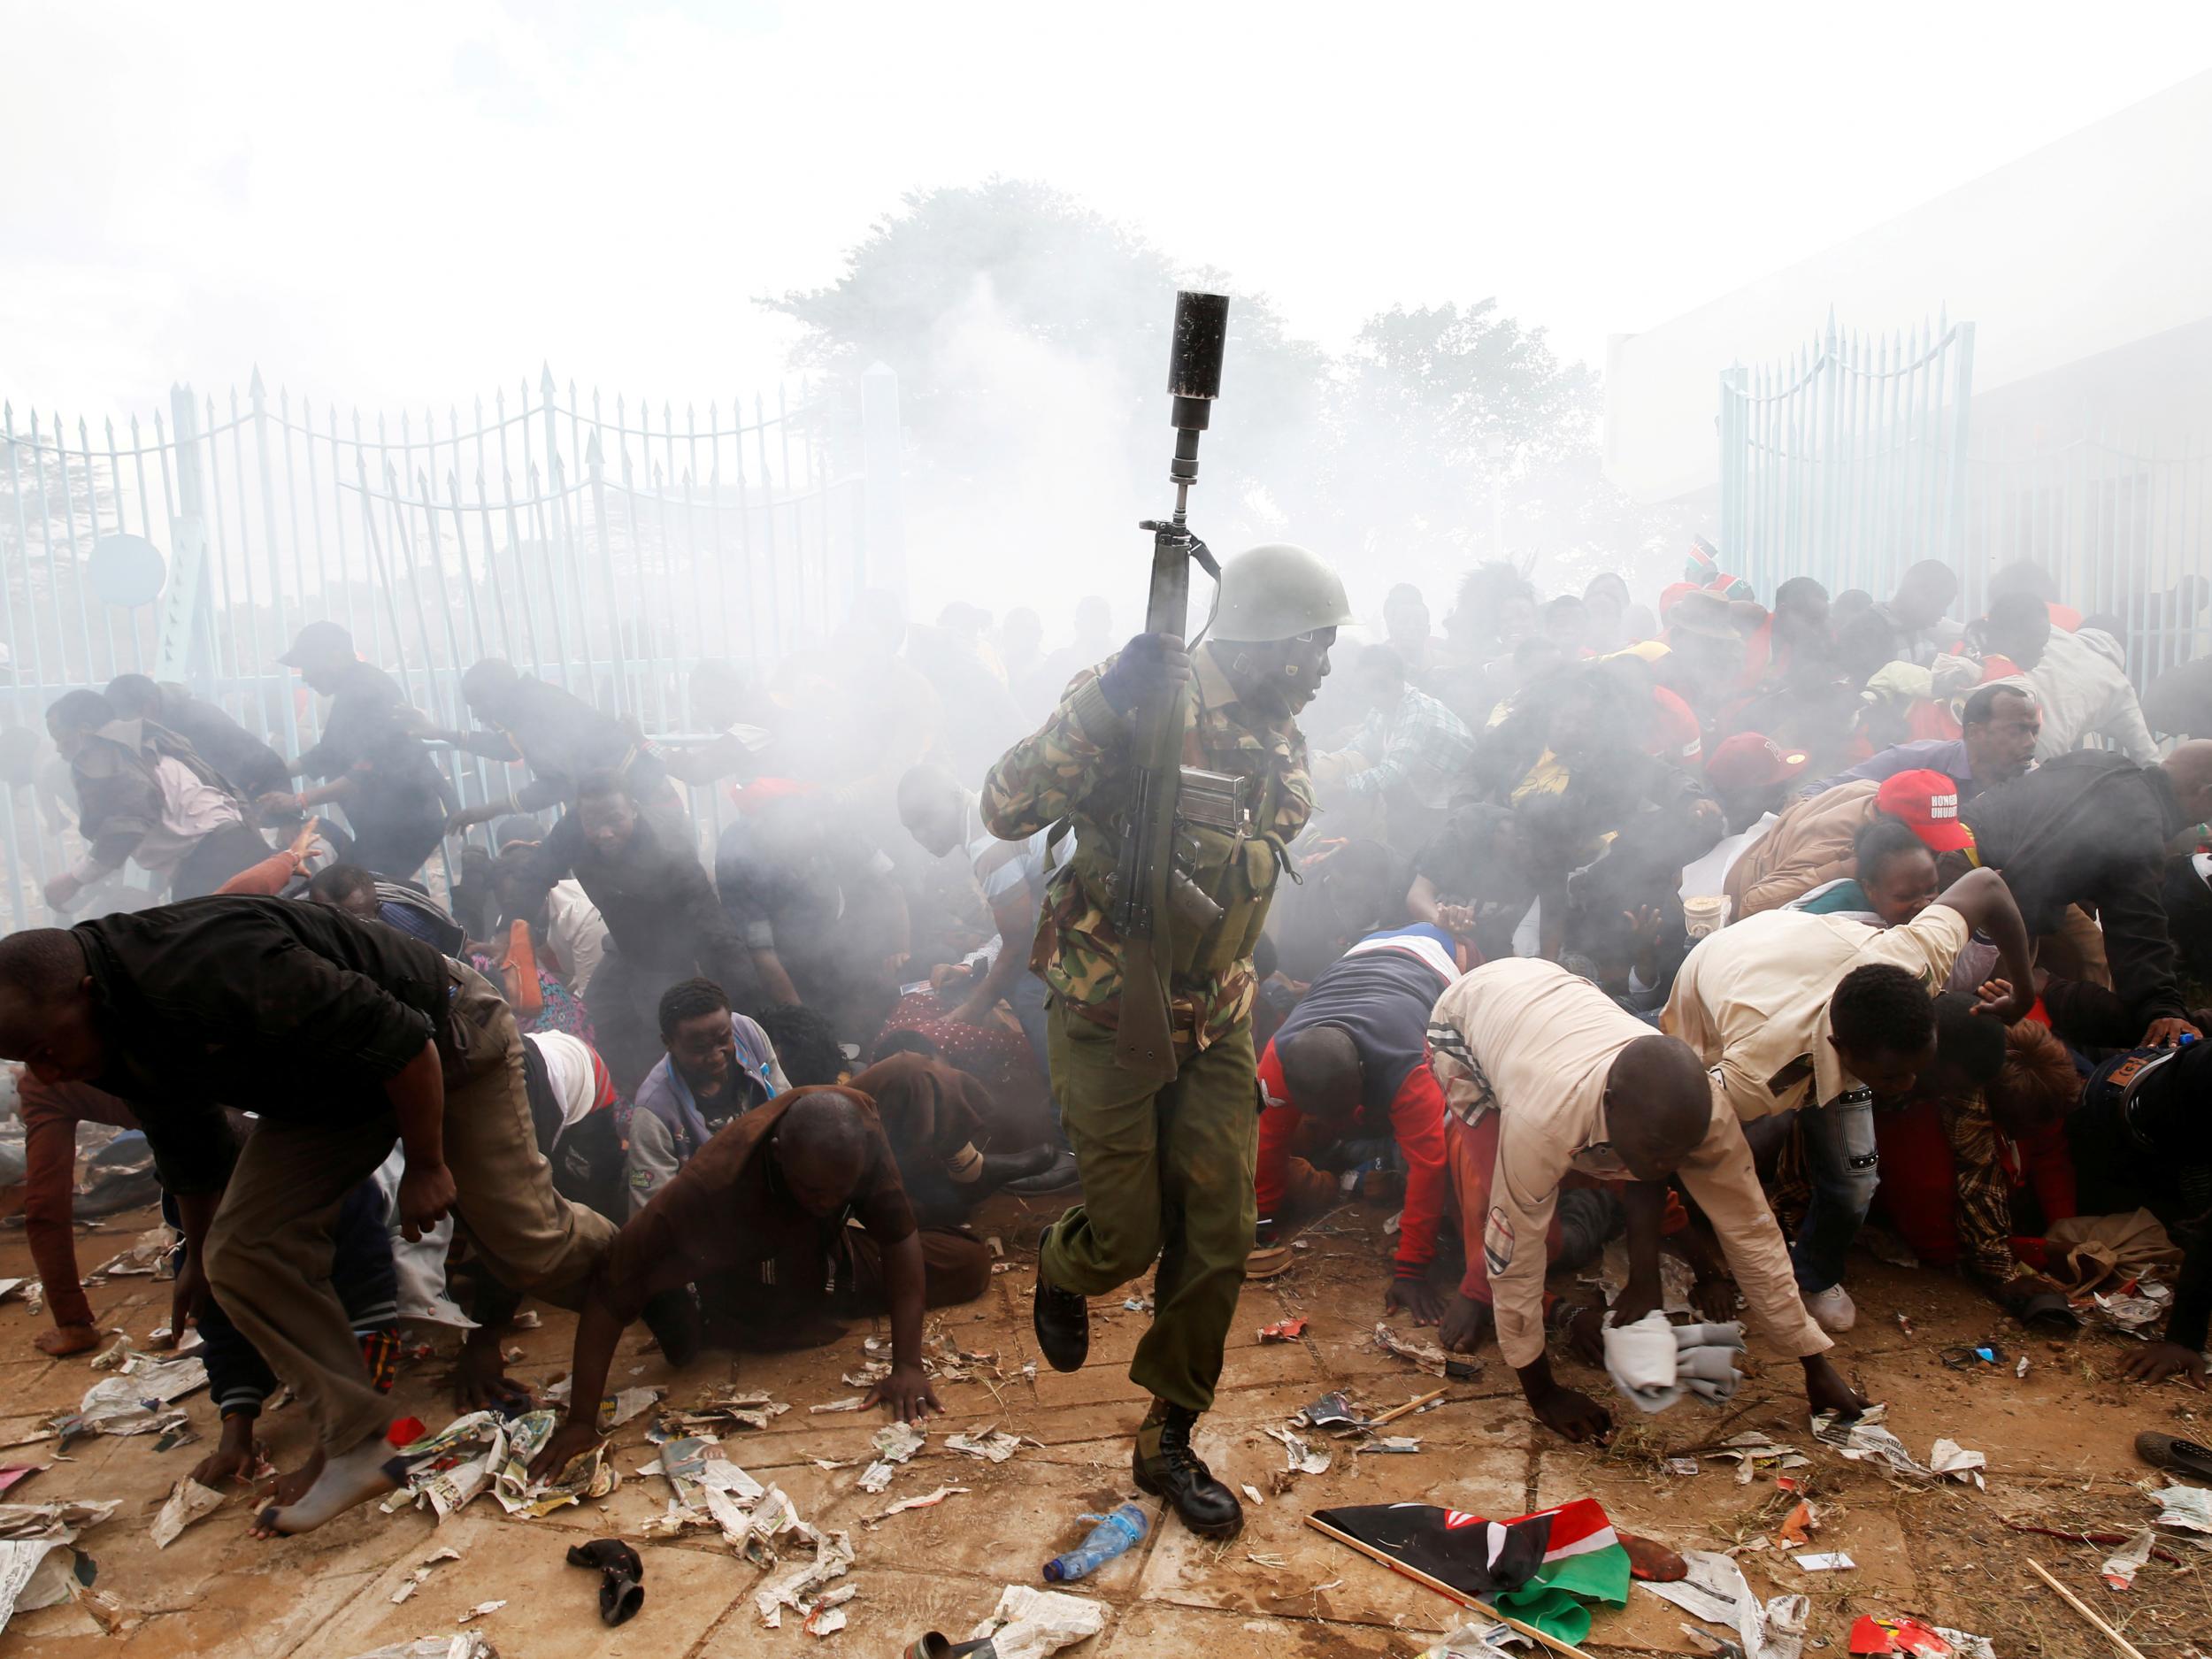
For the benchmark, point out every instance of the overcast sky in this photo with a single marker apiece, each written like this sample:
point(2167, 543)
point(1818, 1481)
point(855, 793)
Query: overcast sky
point(415, 201)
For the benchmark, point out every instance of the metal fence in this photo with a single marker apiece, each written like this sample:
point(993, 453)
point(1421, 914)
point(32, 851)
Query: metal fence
point(1847, 460)
point(2121, 523)
point(605, 545)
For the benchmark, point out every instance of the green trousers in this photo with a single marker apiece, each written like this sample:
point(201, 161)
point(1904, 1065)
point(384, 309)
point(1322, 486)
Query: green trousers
point(1167, 1173)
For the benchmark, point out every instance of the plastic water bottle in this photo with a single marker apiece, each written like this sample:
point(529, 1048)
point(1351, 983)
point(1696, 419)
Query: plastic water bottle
point(1113, 1535)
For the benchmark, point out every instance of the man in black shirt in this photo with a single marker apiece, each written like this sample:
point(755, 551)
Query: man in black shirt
point(561, 738)
point(395, 799)
point(2091, 828)
point(342, 1035)
point(246, 763)
point(664, 921)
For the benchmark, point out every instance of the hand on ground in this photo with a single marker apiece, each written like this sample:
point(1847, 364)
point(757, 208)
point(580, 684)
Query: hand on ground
point(1465, 1324)
point(906, 1391)
point(2162, 1360)
point(569, 1442)
point(1415, 1296)
point(1826, 1389)
point(1572, 1416)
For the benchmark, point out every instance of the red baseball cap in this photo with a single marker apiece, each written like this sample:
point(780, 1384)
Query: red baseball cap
point(1750, 760)
point(1928, 800)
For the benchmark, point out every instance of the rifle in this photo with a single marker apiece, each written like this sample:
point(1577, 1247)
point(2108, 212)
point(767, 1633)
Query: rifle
point(1147, 892)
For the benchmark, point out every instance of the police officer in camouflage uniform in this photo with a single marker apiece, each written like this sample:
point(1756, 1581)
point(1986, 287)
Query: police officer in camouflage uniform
point(1167, 1171)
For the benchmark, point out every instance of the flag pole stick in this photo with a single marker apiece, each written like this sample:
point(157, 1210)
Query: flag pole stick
point(1441, 1588)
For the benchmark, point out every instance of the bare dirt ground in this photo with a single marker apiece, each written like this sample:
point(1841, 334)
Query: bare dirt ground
point(2058, 1442)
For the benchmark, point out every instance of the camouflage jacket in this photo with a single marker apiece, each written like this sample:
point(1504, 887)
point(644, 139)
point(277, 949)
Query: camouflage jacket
point(1075, 768)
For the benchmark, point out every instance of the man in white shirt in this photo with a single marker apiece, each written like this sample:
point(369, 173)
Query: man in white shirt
point(1790, 1008)
point(1543, 1066)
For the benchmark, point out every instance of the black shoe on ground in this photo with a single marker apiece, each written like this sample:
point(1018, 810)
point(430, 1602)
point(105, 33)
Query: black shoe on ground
point(1166, 1467)
point(2170, 1452)
point(1062, 1318)
point(1056, 1177)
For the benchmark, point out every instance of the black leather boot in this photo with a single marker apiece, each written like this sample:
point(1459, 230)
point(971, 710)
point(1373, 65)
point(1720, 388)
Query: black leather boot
point(1062, 1318)
point(1166, 1467)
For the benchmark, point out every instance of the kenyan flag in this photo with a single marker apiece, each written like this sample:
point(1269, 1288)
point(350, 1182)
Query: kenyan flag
point(1540, 1568)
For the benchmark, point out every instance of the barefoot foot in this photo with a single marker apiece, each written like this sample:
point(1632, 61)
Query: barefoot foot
point(369, 1470)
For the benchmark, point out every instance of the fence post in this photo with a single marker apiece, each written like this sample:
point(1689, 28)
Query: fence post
point(595, 471)
point(178, 643)
point(885, 552)
point(259, 396)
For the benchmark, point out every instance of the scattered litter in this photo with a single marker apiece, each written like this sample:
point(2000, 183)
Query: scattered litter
point(851, 1402)
point(49, 1520)
point(1284, 1331)
point(1114, 1535)
point(1799, 1526)
point(1391, 1443)
point(189, 1501)
point(1253, 1492)
point(2119, 1571)
point(894, 1443)
point(796, 1588)
point(175, 1435)
point(138, 1401)
point(618, 1408)
point(1479, 1641)
point(148, 1256)
point(1950, 1460)
point(1717, 1591)
point(997, 1247)
point(867, 1375)
point(1427, 1355)
point(877, 1476)
point(13, 1474)
point(1865, 1439)
point(1138, 1305)
point(1910, 1636)
point(2135, 1313)
point(2021, 1370)
point(1332, 1412)
point(2189, 1508)
point(1266, 1558)
point(1030, 1623)
point(420, 1575)
point(1685, 1467)
point(1904, 1325)
point(829, 1616)
point(930, 1501)
point(1751, 1451)
point(984, 1443)
point(470, 1643)
point(1826, 1561)
point(528, 1319)
point(482, 1610)
point(725, 1409)
point(1303, 1459)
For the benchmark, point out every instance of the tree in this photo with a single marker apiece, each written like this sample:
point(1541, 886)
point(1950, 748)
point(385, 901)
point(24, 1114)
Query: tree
point(979, 292)
point(1429, 408)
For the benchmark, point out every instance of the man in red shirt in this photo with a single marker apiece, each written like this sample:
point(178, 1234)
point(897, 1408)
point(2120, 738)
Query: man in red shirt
point(1350, 1063)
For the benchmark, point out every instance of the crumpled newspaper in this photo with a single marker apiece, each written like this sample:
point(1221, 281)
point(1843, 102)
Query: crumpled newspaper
point(796, 1588)
point(1479, 1641)
point(1866, 1440)
point(894, 1443)
point(148, 1256)
point(451, 1467)
point(984, 1442)
point(468, 1644)
point(2189, 1508)
point(2120, 1567)
point(1716, 1591)
point(1304, 1459)
point(1427, 1355)
point(50, 1520)
point(137, 1399)
point(725, 1408)
point(416, 1579)
point(589, 1474)
point(1947, 1460)
point(1030, 1623)
point(189, 1501)
point(1751, 1449)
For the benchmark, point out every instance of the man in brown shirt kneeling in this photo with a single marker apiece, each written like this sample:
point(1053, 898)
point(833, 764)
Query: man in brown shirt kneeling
point(757, 1220)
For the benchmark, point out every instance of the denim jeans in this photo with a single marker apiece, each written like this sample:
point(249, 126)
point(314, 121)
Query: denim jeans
point(1843, 1169)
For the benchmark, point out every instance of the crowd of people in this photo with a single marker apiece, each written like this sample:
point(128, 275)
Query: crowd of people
point(1726, 927)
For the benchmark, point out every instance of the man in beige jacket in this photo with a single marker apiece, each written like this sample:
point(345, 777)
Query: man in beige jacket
point(1574, 1083)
